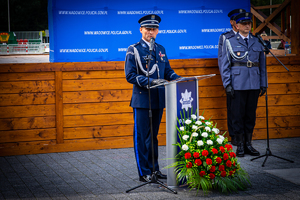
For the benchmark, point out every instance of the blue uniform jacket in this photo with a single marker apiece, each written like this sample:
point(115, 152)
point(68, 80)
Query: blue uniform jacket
point(243, 77)
point(136, 74)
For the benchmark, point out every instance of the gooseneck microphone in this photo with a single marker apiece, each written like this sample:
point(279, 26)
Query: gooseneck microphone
point(152, 41)
point(260, 39)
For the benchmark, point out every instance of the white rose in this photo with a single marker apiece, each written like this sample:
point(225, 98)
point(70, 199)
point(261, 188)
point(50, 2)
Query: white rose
point(188, 121)
point(185, 147)
point(194, 127)
point(219, 140)
point(207, 129)
point(204, 134)
point(181, 128)
point(193, 116)
point(201, 117)
point(221, 137)
point(194, 134)
point(216, 130)
point(185, 137)
point(198, 122)
point(200, 143)
point(209, 142)
point(207, 123)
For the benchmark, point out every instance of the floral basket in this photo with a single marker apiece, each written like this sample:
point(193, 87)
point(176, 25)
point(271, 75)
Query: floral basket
point(206, 160)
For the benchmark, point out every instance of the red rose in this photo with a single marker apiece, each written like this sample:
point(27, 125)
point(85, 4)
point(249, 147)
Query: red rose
point(223, 173)
point(222, 168)
point(202, 173)
point(215, 151)
point(187, 155)
point(230, 173)
point(198, 162)
point(222, 149)
point(212, 169)
point(225, 156)
point(228, 147)
point(196, 155)
point(228, 163)
point(211, 176)
point(232, 154)
point(205, 153)
point(218, 160)
point(233, 163)
point(208, 161)
point(189, 165)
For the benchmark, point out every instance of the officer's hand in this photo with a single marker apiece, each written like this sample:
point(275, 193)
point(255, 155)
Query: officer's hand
point(262, 91)
point(230, 91)
point(158, 81)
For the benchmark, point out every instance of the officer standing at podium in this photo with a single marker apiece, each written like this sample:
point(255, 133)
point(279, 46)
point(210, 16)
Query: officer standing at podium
point(244, 77)
point(222, 38)
point(136, 74)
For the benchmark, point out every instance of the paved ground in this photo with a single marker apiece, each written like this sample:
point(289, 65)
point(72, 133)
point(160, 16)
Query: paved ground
point(107, 174)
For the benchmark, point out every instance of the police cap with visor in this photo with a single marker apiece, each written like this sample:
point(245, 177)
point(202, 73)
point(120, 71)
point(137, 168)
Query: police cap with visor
point(243, 17)
point(235, 12)
point(150, 21)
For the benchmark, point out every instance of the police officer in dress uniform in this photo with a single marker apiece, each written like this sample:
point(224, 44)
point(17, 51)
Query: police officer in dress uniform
point(244, 77)
point(136, 74)
point(222, 38)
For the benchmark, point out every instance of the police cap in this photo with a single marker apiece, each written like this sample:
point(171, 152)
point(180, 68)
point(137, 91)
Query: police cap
point(150, 21)
point(243, 17)
point(235, 12)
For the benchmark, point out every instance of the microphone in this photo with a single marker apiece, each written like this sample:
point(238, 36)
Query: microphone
point(260, 39)
point(152, 41)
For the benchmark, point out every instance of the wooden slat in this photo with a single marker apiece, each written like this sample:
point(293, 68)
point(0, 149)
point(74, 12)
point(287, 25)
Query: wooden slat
point(27, 135)
point(27, 111)
point(97, 96)
point(93, 74)
point(96, 108)
point(289, 77)
point(96, 84)
point(98, 120)
point(265, 7)
point(59, 120)
point(41, 76)
point(27, 123)
point(295, 21)
point(26, 86)
point(27, 99)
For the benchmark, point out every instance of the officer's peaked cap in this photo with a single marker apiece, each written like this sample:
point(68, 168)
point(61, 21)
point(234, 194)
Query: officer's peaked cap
point(235, 12)
point(150, 21)
point(243, 17)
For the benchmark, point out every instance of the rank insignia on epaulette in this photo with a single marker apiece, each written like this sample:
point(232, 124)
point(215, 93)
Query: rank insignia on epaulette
point(143, 45)
point(238, 53)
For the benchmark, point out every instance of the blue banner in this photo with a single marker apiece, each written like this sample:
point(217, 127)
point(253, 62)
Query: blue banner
point(93, 30)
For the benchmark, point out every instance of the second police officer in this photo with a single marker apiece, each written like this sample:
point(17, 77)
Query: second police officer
point(243, 75)
point(222, 38)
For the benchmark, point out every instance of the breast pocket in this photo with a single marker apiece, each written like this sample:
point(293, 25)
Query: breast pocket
point(254, 54)
point(239, 51)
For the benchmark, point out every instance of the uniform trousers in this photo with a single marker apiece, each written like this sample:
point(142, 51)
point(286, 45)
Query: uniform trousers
point(243, 110)
point(142, 139)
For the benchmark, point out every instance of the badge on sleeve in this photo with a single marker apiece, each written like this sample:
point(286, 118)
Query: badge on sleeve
point(238, 53)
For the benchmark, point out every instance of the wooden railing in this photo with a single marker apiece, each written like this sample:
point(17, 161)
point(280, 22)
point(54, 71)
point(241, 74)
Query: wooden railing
point(290, 19)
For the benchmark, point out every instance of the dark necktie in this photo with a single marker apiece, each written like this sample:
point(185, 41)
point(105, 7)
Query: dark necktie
point(246, 40)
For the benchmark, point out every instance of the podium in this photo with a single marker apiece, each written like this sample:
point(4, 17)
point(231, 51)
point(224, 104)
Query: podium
point(181, 94)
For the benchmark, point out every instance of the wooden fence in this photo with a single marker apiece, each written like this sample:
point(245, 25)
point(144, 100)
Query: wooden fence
point(58, 107)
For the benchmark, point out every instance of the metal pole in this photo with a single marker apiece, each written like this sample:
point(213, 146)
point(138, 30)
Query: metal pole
point(8, 16)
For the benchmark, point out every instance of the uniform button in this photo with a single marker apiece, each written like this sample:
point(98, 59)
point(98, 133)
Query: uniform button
point(140, 92)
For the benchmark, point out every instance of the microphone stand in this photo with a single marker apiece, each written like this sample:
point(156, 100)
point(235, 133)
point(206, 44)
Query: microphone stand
point(268, 150)
point(154, 178)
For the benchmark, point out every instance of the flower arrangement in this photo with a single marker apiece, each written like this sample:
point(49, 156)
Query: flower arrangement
point(206, 160)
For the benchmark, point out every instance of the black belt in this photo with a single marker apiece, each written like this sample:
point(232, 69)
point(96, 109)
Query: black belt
point(245, 64)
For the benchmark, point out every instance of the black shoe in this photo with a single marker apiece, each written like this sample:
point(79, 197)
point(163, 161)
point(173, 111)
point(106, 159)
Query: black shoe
point(240, 145)
point(160, 175)
point(250, 150)
point(233, 141)
point(145, 178)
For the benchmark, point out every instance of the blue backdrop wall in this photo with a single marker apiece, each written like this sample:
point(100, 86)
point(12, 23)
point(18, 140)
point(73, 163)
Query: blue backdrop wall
point(102, 30)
